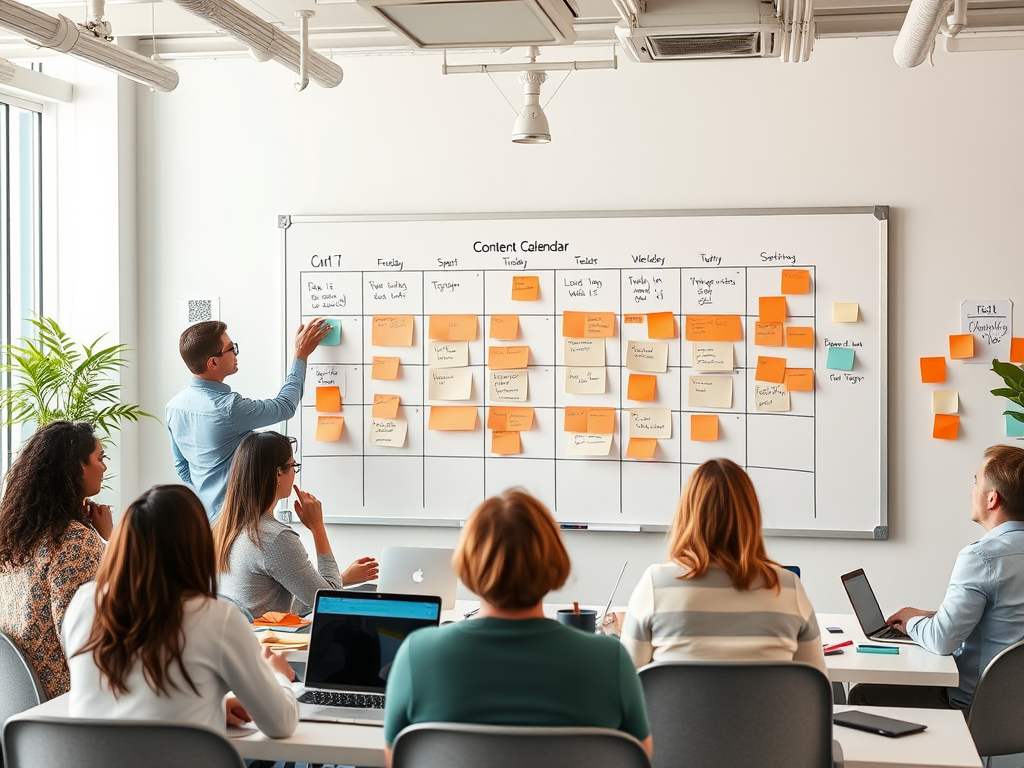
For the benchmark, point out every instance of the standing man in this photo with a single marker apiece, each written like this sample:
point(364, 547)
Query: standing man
point(983, 610)
point(207, 421)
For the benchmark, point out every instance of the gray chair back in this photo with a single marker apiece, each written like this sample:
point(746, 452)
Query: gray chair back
point(740, 714)
point(996, 718)
point(51, 741)
point(457, 745)
point(245, 611)
point(19, 686)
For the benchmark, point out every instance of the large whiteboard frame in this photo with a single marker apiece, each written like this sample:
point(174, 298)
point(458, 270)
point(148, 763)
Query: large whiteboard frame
point(879, 214)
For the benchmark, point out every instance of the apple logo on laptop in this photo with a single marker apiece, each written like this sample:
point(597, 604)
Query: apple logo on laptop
point(417, 576)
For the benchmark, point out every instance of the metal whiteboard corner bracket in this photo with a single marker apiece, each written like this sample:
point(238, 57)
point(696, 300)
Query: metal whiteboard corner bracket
point(881, 533)
point(283, 222)
point(882, 212)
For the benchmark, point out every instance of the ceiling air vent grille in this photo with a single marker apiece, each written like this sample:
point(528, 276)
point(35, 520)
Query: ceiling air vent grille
point(704, 46)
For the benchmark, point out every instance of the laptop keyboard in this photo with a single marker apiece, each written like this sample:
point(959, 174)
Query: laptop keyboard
point(891, 634)
point(334, 699)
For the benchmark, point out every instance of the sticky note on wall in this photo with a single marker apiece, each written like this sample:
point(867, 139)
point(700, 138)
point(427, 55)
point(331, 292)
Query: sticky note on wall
point(768, 334)
point(384, 368)
point(505, 358)
point(641, 387)
point(771, 369)
point(945, 427)
point(796, 281)
point(961, 346)
point(328, 399)
point(506, 443)
point(704, 427)
point(641, 447)
point(391, 330)
point(452, 327)
point(800, 336)
point(799, 379)
point(525, 288)
point(328, 428)
point(333, 338)
point(933, 370)
point(772, 309)
point(945, 401)
point(385, 406)
point(845, 312)
point(452, 418)
point(840, 359)
point(1016, 350)
point(504, 327)
point(661, 325)
point(714, 328)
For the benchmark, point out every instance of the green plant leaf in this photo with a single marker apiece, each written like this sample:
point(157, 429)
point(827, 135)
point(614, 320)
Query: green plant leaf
point(1018, 415)
point(1011, 374)
point(1009, 394)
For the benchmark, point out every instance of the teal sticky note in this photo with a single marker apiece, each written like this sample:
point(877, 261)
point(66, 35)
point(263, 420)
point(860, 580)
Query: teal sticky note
point(333, 338)
point(839, 359)
point(1014, 428)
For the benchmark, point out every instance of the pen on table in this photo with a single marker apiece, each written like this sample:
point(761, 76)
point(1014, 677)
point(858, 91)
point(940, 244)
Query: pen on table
point(474, 612)
point(883, 649)
point(835, 646)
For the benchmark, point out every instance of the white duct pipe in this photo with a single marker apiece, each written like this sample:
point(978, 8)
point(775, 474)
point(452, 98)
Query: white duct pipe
point(304, 17)
point(7, 71)
point(955, 24)
point(95, 22)
point(808, 30)
point(786, 17)
point(263, 39)
point(917, 35)
point(62, 34)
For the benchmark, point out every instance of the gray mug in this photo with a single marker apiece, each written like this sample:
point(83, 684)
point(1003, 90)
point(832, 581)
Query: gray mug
point(585, 620)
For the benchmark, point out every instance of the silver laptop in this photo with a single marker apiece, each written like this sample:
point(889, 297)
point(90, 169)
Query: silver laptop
point(865, 605)
point(419, 571)
point(352, 644)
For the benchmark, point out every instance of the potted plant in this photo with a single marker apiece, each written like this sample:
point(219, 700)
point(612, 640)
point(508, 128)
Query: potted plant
point(1013, 377)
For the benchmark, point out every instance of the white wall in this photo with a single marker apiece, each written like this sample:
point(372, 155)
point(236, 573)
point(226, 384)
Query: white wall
point(234, 146)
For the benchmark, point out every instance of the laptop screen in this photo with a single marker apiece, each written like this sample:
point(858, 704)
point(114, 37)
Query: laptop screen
point(862, 598)
point(355, 636)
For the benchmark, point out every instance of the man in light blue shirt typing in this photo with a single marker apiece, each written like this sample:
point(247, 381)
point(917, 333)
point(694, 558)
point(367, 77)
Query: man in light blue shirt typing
point(207, 421)
point(983, 610)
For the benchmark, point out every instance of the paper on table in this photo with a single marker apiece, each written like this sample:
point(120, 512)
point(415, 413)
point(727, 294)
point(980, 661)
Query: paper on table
point(392, 331)
point(771, 398)
point(525, 287)
point(385, 368)
point(589, 445)
point(933, 370)
point(584, 352)
point(504, 327)
point(641, 447)
point(333, 337)
point(768, 334)
point(642, 387)
point(772, 309)
point(505, 358)
point(388, 433)
point(961, 346)
point(452, 327)
point(945, 401)
point(509, 385)
point(650, 422)
point(586, 381)
point(799, 336)
point(650, 356)
point(385, 406)
point(770, 369)
point(452, 418)
point(845, 312)
point(506, 443)
point(703, 427)
point(799, 379)
point(712, 356)
point(840, 359)
point(1017, 351)
point(448, 354)
point(328, 428)
point(600, 421)
point(796, 281)
point(451, 384)
point(710, 391)
point(714, 328)
point(328, 399)
point(661, 325)
point(945, 427)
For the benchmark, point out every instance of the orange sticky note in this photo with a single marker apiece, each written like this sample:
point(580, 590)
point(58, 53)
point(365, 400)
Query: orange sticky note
point(795, 281)
point(933, 370)
point(599, 325)
point(961, 346)
point(506, 443)
point(767, 334)
point(714, 328)
point(519, 419)
point(452, 327)
point(452, 418)
point(661, 325)
point(632, 319)
point(392, 331)
point(525, 288)
point(328, 428)
point(574, 324)
point(506, 358)
point(946, 427)
point(799, 336)
point(328, 399)
point(504, 327)
point(575, 419)
point(641, 447)
point(772, 309)
point(641, 387)
point(497, 417)
point(704, 427)
point(1016, 350)
point(772, 369)
point(799, 379)
point(601, 421)
point(385, 406)
point(385, 368)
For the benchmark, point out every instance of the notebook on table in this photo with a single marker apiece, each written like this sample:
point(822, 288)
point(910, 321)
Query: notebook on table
point(352, 644)
point(419, 571)
point(865, 605)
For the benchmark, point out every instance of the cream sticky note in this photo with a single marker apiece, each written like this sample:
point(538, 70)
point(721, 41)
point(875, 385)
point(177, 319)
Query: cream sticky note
point(452, 418)
point(945, 401)
point(328, 399)
point(448, 354)
point(661, 325)
point(391, 330)
point(506, 358)
point(384, 368)
point(770, 369)
point(452, 327)
point(525, 288)
point(650, 422)
point(600, 421)
point(714, 328)
point(795, 281)
point(584, 352)
point(768, 334)
point(575, 418)
point(509, 385)
point(641, 447)
point(945, 427)
point(710, 391)
point(845, 312)
point(799, 379)
point(647, 356)
point(961, 346)
point(586, 381)
point(589, 445)
point(712, 356)
point(771, 398)
point(388, 433)
point(772, 309)
point(933, 370)
point(703, 427)
point(506, 443)
point(801, 336)
point(385, 406)
point(642, 387)
point(504, 327)
point(451, 384)
point(328, 428)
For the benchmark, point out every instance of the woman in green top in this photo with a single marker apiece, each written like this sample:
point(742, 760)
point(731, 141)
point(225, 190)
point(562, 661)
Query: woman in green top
point(512, 666)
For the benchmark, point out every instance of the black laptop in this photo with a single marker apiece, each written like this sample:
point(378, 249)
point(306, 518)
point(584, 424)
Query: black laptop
point(865, 605)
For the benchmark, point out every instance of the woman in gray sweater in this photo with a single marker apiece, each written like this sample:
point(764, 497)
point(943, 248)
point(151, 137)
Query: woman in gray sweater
point(261, 562)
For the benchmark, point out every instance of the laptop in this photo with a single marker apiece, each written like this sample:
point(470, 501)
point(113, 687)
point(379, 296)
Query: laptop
point(865, 605)
point(352, 644)
point(418, 571)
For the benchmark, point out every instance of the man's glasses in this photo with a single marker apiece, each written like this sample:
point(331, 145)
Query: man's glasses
point(232, 348)
point(293, 465)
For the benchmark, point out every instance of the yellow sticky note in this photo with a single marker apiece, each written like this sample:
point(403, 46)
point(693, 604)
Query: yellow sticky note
point(506, 358)
point(392, 331)
point(945, 401)
point(1016, 350)
point(452, 327)
point(767, 334)
point(661, 325)
point(961, 346)
point(945, 427)
point(771, 369)
point(525, 288)
point(845, 312)
point(795, 281)
point(799, 379)
point(328, 399)
point(452, 418)
point(641, 448)
point(704, 427)
point(641, 387)
point(506, 443)
point(714, 328)
point(328, 428)
point(933, 370)
point(575, 419)
point(600, 421)
point(799, 336)
point(385, 368)
point(385, 406)
point(772, 309)
point(504, 327)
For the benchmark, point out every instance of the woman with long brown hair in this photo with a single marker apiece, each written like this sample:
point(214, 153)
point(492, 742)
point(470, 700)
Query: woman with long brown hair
point(149, 640)
point(719, 597)
point(51, 540)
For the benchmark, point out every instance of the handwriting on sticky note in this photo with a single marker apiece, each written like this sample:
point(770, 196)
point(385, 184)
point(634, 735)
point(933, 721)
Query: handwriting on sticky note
point(589, 445)
point(505, 358)
point(845, 312)
point(840, 359)
point(704, 427)
point(641, 447)
point(800, 336)
point(509, 385)
point(768, 334)
point(391, 331)
point(525, 287)
point(632, 319)
point(641, 387)
point(575, 419)
point(452, 327)
point(712, 356)
point(771, 398)
point(770, 369)
point(384, 368)
point(328, 399)
point(452, 418)
point(506, 443)
point(933, 370)
point(945, 427)
point(448, 354)
point(504, 327)
point(710, 391)
point(584, 352)
point(647, 356)
point(600, 421)
point(795, 281)
point(661, 325)
point(519, 419)
point(650, 422)
point(588, 325)
point(945, 401)
point(714, 328)
point(586, 381)
point(385, 406)
point(961, 346)
point(451, 384)
point(772, 309)
point(799, 379)
point(328, 428)
point(388, 433)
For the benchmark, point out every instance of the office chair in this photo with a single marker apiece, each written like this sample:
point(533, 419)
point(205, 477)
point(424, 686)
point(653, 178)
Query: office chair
point(19, 687)
point(996, 719)
point(459, 745)
point(32, 742)
point(740, 714)
point(238, 605)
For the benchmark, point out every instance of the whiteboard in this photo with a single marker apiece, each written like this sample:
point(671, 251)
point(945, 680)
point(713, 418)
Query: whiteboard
point(819, 468)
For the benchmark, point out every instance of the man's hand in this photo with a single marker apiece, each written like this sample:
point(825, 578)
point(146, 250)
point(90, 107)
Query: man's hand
point(903, 615)
point(100, 517)
point(234, 712)
point(279, 663)
point(309, 335)
point(363, 569)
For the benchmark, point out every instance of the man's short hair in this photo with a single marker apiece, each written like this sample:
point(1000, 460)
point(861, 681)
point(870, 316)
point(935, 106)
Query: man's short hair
point(200, 342)
point(1004, 474)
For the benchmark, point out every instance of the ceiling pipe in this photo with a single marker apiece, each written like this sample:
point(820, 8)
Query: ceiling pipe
point(7, 71)
point(63, 35)
point(263, 39)
point(917, 35)
point(304, 17)
point(955, 24)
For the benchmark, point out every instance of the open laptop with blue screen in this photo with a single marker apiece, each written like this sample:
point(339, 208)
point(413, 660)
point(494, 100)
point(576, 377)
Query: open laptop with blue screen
point(352, 644)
